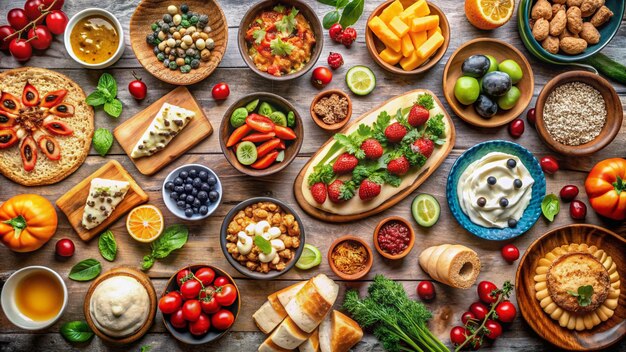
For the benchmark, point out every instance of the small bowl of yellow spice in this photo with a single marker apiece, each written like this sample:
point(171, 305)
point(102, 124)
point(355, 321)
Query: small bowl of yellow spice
point(94, 38)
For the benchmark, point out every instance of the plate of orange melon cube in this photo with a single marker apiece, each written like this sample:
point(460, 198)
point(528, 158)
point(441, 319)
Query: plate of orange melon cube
point(407, 36)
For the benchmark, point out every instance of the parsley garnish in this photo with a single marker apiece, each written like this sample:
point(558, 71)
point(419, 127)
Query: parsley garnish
point(288, 23)
point(352, 143)
point(281, 48)
point(279, 8)
point(427, 101)
point(435, 127)
point(583, 295)
point(321, 173)
point(258, 35)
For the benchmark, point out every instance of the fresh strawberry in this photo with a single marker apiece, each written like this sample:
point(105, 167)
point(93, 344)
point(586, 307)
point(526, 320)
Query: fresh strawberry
point(395, 132)
point(423, 146)
point(398, 166)
point(318, 191)
point(345, 163)
point(368, 190)
point(418, 115)
point(372, 148)
point(334, 191)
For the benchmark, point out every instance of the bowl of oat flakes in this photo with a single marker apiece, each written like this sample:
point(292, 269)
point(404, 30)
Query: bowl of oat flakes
point(331, 109)
point(262, 238)
point(578, 113)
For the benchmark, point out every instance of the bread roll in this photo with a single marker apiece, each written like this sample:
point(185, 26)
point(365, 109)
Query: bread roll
point(273, 311)
point(453, 265)
point(338, 333)
point(288, 335)
point(312, 344)
point(269, 346)
point(311, 304)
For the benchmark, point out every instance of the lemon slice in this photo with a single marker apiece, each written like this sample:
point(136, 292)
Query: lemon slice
point(311, 257)
point(360, 80)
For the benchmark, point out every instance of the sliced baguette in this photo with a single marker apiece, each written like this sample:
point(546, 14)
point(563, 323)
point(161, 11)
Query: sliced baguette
point(273, 311)
point(288, 335)
point(269, 346)
point(286, 294)
point(338, 333)
point(311, 304)
point(454, 265)
point(312, 344)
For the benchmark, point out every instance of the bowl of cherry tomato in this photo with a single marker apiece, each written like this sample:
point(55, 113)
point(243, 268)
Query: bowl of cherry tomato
point(200, 304)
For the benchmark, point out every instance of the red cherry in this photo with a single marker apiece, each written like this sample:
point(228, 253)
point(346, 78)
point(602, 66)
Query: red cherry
point(484, 290)
point(458, 334)
point(516, 128)
point(17, 18)
point(33, 10)
point(510, 253)
point(5, 31)
point(64, 247)
point(568, 193)
point(56, 21)
point(577, 210)
point(531, 116)
point(549, 164)
point(58, 4)
point(335, 32)
point(137, 88)
point(426, 290)
point(43, 37)
point(20, 49)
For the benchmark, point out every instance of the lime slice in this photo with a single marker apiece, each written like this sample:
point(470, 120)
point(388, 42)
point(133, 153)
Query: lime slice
point(310, 258)
point(360, 80)
point(426, 210)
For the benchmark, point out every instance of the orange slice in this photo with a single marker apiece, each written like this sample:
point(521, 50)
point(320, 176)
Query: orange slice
point(489, 14)
point(145, 223)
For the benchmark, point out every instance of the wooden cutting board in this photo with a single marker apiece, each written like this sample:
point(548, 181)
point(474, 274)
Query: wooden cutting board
point(73, 202)
point(131, 131)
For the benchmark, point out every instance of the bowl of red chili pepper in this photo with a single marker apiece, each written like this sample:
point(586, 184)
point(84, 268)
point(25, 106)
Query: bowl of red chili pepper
point(280, 39)
point(261, 134)
point(394, 237)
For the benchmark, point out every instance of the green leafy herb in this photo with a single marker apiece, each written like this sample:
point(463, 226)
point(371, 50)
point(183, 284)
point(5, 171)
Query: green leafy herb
point(287, 24)
point(85, 270)
point(550, 206)
point(347, 190)
point(583, 295)
point(346, 12)
point(105, 94)
point(399, 323)
point(145, 348)
point(330, 19)
point(352, 144)
point(174, 237)
point(258, 35)
point(378, 128)
point(281, 48)
point(76, 331)
point(102, 141)
point(321, 173)
point(435, 127)
point(403, 119)
point(426, 101)
point(107, 246)
point(264, 245)
point(279, 8)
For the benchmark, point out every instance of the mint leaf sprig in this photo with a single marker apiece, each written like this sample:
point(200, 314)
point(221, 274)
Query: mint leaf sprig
point(105, 95)
point(583, 295)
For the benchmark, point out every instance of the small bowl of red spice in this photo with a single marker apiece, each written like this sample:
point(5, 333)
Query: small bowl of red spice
point(394, 237)
point(350, 257)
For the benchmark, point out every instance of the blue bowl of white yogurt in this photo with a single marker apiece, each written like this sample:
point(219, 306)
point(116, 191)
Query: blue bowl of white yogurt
point(495, 190)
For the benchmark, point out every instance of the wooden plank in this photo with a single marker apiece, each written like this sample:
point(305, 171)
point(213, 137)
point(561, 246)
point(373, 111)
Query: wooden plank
point(131, 131)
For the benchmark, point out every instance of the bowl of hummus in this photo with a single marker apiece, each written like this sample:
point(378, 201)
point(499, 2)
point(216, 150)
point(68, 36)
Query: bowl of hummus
point(495, 190)
point(120, 305)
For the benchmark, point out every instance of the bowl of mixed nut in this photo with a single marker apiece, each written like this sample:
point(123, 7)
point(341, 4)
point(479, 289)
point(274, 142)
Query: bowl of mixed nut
point(262, 238)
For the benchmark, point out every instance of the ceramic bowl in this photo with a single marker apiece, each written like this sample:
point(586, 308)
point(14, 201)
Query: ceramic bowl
point(607, 32)
point(183, 335)
point(171, 203)
point(533, 210)
point(10, 308)
point(90, 12)
point(411, 234)
point(375, 46)
point(306, 11)
point(335, 126)
point(614, 117)
point(293, 147)
point(605, 334)
point(368, 263)
point(273, 274)
point(501, 51)
point(144, 280)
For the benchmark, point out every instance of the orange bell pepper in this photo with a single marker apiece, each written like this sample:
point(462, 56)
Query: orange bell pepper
point(238, 134)
point(267, 147)
point(27, 222)
point(265, 161)
point(606, 188)
point(285, 133)
point(259, 137)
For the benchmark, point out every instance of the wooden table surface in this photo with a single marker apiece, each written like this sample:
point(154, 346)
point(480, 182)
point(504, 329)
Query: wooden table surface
point(203, 245)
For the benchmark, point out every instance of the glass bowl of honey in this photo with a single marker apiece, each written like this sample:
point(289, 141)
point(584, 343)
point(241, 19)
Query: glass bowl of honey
point(94, 38)
point(34, 298)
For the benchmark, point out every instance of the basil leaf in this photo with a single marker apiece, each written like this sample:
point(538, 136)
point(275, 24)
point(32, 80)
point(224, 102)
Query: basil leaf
point(107, 246)
point(85, 270)
point(330, 19)
point(328, 2)
point(145, 348)
point(264, 245)
point(147, 262)
point(76, 331)
point(550, 206)
point(96, 98)
point(113, 108)
point(342, 3)
point(173, 238)
point(102, 141)
point(107, 82)
point(351, 13)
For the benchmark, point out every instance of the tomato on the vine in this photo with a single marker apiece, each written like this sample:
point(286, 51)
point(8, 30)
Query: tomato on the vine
point(190, 289)
point(209, 304)
point(58, 4)
point(226, 295)
point(137, 88)
point(182, 276)
point(5, 31)
point(200, 326)
point(223, 319)
point(192, 310)
point(506, 311)
point(178, 320)
point(33, 10)
point(220, 91)
point(467, 316)
point(20, 49)
point(56, 21)
point(495, 329)
point(206, 275)
point(484, 289)
point(221, 281)
point(480, 310)
point(17, 18)
point(458, 334)
point(40, 37)
point(170, 303)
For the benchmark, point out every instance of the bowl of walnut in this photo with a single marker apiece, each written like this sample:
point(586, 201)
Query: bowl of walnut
point(262, 238)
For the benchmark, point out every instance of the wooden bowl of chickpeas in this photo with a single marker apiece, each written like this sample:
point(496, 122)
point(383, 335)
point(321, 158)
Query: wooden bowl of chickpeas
point(179, 42)
point(262, 238)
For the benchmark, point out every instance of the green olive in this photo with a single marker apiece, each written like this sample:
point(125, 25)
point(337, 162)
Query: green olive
point(466, 90)
point(511, 68)
point(494, 63)
point(508, 101)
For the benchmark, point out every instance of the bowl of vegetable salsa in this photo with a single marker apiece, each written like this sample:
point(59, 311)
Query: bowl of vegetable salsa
point(280, 40)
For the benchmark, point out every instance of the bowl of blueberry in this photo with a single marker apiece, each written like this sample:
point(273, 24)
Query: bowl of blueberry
point(192, 192)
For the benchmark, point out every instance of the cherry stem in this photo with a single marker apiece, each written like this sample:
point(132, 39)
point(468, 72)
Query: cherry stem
point(135, 75)
point(33, 23)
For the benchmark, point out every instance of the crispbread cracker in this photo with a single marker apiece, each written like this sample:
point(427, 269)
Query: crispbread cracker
point(74, 148)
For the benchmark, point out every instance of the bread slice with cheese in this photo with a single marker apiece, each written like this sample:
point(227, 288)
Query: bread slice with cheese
point(272, 312)
point(312, 344)
point(288, 335)
point(311, 304)
point(338, 333)
point(104, 196)
point(269, 346)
